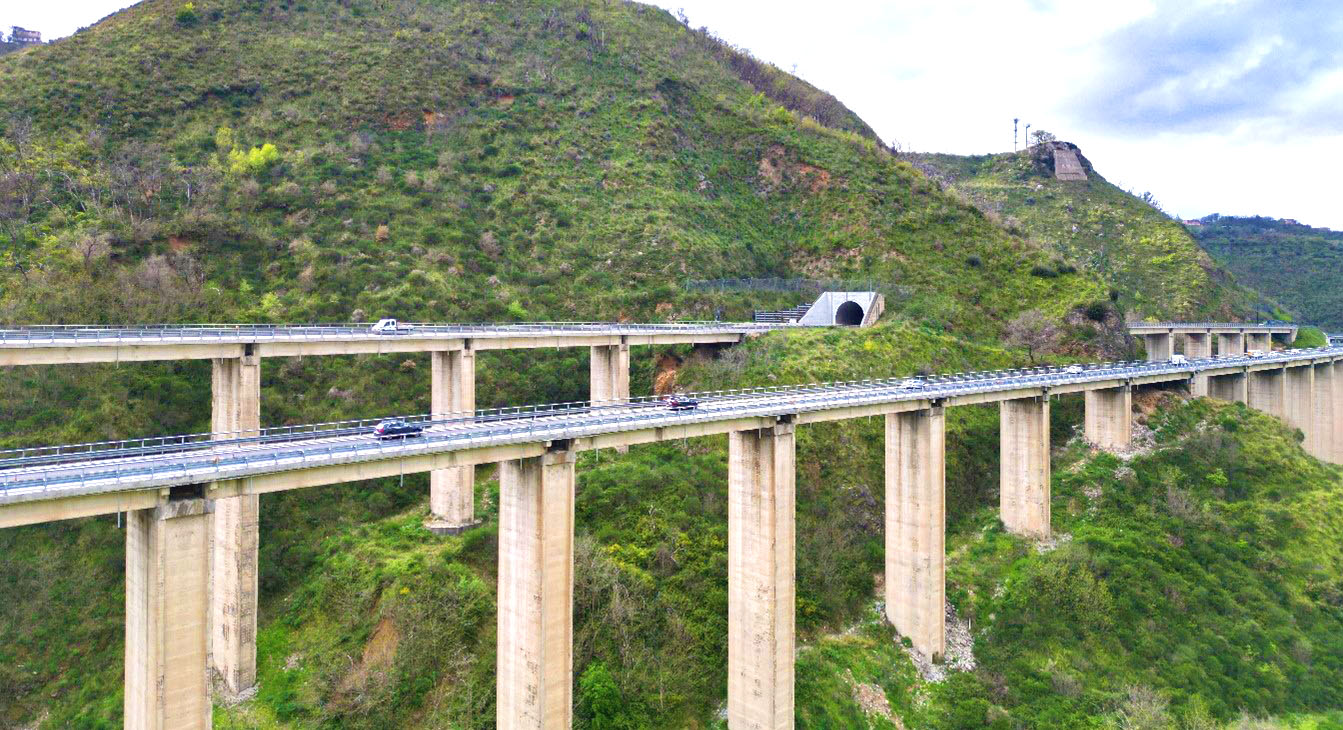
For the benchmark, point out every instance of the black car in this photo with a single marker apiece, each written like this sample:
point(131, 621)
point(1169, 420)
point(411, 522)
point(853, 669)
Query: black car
point(397, 429)
point(678, 402)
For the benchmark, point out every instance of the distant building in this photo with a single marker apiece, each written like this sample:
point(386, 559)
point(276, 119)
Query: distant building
point(1290, 221)
point(23, 35)
point(1193, 223)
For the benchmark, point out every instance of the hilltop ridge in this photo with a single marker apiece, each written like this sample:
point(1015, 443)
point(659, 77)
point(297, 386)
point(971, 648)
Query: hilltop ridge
point(1154, 266)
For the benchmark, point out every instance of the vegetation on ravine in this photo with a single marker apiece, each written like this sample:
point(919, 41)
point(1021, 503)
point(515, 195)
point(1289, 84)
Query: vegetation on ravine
point(259, 160)
point(1295, 264)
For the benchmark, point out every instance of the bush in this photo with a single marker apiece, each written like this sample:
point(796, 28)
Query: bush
point(1042, 271)
point(1096, 311)
point(974, 262)
point(186, 15)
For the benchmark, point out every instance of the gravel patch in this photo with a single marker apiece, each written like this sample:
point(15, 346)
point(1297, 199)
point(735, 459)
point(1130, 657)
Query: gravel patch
point(960, 656)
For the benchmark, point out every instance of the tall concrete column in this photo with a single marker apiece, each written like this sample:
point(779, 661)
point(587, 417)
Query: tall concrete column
point(1024, 466)
point(1262, 341)
point(536, 592)
point(1230, 343)
point(1197, 345)
point(1159, 346)
point(916, 527)
point(1233, 388)
point(760, 578)
point(610, 373)
point(1297, 409)
point(1109, 417)
point(1320, 439)
point(1337, 446)
point(235, 543)
point(1266, 391)
point(167, 616)
point(452, 491)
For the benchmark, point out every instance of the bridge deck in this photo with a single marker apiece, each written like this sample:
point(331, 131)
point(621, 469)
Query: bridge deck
point(39, 488)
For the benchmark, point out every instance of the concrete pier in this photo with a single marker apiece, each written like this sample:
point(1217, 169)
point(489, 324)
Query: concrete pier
point(1336, 447)
point(452, 491)
point(761, 555)
point(610, 373)
point(1229, 344)
point(235, 544)
point(1159, 346)
point(1109, 417)
point(1298, 391)
point(1024, 468)
point(1320, 439)
point(1233, 388)
point(167, 616)
point(536, 591)
point(1198, 345)
point(1266, 392)
point(916, 527)
point(1262, 341)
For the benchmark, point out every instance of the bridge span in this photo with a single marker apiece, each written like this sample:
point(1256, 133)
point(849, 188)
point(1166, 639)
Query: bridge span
point(1231, 338)
point(171, 488)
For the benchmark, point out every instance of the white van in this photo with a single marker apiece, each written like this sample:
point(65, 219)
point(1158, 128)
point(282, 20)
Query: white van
point(1179, 360)
point(385, 327)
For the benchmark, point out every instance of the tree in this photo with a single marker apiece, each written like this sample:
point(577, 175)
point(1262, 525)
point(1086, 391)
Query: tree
point(1033, 331)
point(1043, 137)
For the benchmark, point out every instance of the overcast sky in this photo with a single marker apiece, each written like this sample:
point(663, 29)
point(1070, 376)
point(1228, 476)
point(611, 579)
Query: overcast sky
point(1216, 106)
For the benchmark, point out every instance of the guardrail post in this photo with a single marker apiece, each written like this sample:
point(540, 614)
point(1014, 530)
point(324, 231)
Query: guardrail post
point(452, 490)
point(235, 522)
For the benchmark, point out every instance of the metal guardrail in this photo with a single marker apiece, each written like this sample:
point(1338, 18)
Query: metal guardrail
point(1211, 325)
point(222, 460)
point(37, 335)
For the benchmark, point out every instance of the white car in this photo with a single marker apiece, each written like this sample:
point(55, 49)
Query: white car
point(388, 327)
point(1254, 353)
point(1073, 370)
point(1179, 360)
point(910, 384)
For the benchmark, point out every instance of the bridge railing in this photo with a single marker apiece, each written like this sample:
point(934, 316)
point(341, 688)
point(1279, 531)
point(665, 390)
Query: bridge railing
point(30, 334)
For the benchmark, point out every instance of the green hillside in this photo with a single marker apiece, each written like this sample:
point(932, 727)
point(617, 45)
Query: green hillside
point(1155, 266)
point(300, 160)
point(1296, 265)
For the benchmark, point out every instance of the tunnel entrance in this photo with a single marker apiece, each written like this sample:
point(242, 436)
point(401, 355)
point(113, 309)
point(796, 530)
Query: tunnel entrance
point(849, 314)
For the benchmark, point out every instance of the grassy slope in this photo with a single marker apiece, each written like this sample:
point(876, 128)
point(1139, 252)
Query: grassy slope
point(1296, 265)
point(462, 162)
point(1156, 267)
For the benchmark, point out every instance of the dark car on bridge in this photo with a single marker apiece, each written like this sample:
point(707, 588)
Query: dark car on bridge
point(679, 402)
point(397, 429)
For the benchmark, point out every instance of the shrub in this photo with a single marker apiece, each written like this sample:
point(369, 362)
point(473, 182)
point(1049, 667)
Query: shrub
point(187, 16)
point(974, 262)
point(1096, 311)
point(253, 162)
point(1042, 271)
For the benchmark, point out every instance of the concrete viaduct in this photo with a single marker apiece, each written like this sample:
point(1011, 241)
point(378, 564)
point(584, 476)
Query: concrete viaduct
point(1232, 338)
point(170, 497)
point(236, 352)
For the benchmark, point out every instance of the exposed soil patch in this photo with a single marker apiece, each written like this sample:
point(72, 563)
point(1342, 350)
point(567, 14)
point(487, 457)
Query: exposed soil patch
point(960, 647)
point(870, 697)
point(664, 375)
